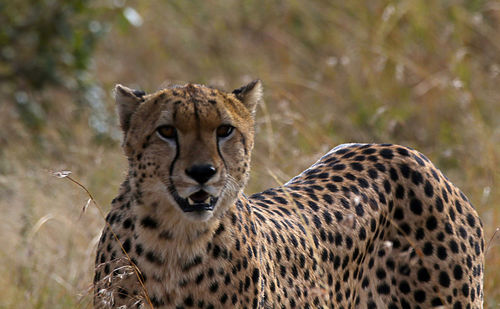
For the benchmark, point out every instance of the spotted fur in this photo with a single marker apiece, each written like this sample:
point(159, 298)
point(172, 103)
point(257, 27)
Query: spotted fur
point(367, 226)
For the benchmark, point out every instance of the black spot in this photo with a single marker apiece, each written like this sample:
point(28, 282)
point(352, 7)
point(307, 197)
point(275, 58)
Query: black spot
point(419, 296)
point(280, 200)
point(470, 220)
point(338, 216)
point(324, 255)
point(126, 245)
point(255, 275)
point(356, 166)
point(337, 178)
point(223, 298)
point(157, 302)
point(386, 153)
point(428, 248)
point(362, 233)
point(465, 289)
point(448, 228)
point(404, 287)
point(444, 279)
point(458, 272)
point(452, 214)
point(439, 204)
point(216, 251)
point(338, 167)
point(416, 206)
point(416, 178)
point(327, 216)
point(332, 187)
point(429, 190)
point(435, 302)
point(363, 183)
point(338, 239)
point(445, 195)
point(420, 234)
point(383, 288)
point(359, 210)
point(199, 278)
point(372, 173)
point(457, 305)
point(394, 174)
point(148, 222)
point(368, 151)
point(398, 213)
point(282, 271)
point(431, 223)
point(317, 222)
point(441, 253)
point(380, 167)
point(380, 273)
point(406, 228)
point(405, 170)
point(152, 257)
point(220, 229)
point(313, 205)
point(322, 176)
point(359, 158)
point(365, 283)
point(423, 275)
point(462, 232)
point(403, 152)
point(196, 261)
point(138, 249)
point(345, 203)
point(400, 192)
point(348, 242)
point(327, 198)
point(387, 186)
point(453, 246)
point(127, 223)
point(213, 287)
point(188, 301)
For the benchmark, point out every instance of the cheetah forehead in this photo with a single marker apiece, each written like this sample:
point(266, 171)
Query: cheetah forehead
point(193, 102)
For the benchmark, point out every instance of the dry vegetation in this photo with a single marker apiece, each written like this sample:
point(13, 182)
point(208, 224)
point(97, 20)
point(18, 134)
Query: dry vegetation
point(425, 74)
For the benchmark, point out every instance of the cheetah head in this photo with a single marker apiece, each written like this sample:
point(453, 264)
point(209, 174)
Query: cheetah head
point(189, 146)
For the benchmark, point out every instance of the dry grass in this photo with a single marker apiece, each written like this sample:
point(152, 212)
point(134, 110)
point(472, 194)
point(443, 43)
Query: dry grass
point(419, 73)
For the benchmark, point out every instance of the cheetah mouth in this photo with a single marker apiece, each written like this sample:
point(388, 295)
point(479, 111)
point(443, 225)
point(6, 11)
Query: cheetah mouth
point(198, 201)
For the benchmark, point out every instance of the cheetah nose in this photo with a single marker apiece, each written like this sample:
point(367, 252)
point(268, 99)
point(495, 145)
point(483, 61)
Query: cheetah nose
point(201, 172)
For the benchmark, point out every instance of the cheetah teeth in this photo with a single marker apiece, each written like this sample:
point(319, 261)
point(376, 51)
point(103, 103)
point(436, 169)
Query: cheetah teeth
point(191, 202)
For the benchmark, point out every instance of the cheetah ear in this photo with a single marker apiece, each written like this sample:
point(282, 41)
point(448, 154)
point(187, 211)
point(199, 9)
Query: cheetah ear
point(250, 95)
point(127, 101)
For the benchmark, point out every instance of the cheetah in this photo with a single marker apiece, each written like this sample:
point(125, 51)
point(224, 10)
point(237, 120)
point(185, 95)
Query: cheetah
point(366, 226)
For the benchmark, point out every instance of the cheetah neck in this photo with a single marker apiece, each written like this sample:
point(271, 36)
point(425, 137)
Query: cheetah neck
point(178, 249)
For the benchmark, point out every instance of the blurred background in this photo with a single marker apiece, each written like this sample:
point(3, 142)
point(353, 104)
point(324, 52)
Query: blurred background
point(425, 74)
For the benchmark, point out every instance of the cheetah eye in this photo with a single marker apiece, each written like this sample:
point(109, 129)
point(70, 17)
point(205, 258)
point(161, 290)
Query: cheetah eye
point(224, 130)
point(167, 132)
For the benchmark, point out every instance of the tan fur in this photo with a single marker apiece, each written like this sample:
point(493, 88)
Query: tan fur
point(367, 226)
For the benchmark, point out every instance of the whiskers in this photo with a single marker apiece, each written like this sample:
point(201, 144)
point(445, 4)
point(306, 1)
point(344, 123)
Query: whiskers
point(231, 185)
